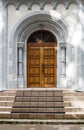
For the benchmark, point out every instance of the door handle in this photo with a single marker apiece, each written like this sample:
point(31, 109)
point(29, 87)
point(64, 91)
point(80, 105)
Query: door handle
point(43, 67)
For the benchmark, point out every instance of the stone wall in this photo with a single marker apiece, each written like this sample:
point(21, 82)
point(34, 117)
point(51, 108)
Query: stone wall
point(71, 12)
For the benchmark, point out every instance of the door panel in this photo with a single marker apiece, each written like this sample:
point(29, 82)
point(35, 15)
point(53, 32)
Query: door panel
point(50, 66)
point(34, 66)
point(42, 66)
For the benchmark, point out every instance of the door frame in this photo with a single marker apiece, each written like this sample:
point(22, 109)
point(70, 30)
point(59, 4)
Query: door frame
point(42, 39)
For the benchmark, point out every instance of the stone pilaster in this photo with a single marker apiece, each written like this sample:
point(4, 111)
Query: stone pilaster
point(1, 27)
point(20, 65)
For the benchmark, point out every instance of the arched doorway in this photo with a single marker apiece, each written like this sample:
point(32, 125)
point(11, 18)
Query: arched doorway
point(42, 59)
point(39, 20)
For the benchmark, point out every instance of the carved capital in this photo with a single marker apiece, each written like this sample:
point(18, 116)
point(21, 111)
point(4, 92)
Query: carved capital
point(20, 44)
point(62, 45)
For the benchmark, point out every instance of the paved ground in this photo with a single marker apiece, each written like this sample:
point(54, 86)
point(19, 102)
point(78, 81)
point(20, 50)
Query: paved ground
point(40, 127)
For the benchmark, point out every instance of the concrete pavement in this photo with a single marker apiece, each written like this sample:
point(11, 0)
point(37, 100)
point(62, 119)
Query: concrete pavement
point(40, 127)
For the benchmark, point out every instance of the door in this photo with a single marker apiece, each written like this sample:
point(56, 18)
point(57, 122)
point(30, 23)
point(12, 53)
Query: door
point(49, 67)
point(42, 65)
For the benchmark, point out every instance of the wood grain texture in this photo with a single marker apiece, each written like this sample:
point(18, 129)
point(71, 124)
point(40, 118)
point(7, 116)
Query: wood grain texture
point(42, 66)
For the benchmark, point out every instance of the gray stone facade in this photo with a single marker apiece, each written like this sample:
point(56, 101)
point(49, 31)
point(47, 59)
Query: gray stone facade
point(1, 45)
point(62, 18)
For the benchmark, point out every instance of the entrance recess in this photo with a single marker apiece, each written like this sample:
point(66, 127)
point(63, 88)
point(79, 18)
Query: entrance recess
point(41, 60)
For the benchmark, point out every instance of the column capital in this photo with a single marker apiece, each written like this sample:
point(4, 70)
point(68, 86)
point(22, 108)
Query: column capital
point(62, 45)
point(20, 44)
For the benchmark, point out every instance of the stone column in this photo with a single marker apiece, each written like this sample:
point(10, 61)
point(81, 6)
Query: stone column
point(20, 65)
point(63, 65)
point(20, 62)
point(63, 59)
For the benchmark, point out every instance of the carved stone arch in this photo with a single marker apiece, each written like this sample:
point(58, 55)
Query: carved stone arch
point(16, 5)
point(42, 2)
point(42, 17)
point(39, 16)
point(19, 5)
point(72, 3)
point(36, 21)
point(36, 26)
point(35, 3)
point(46, 4)
point(11, 3)
point(58, 3)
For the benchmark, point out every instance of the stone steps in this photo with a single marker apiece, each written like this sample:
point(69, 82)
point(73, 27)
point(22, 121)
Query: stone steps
point(39, 99)
point(40, 93)
point(47, 109)
point(6, 103)
point(41, 104)
point(7, 98)
point(47, 116)
point(7, 94)
point(6, 109)
point(73, 94)
point(38, 109)
point(72, 98)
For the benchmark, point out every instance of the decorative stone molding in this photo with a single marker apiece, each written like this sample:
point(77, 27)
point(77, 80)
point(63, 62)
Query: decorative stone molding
point(25, 27)
point(63, 59)
point(24, 32)
point(20, 44)
point(33, 20)
point(62, 45)
point(42, 3)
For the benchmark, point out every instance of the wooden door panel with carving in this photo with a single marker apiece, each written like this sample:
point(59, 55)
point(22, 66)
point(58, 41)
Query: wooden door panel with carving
point(34, 66)
point(41, 59)
point(42, 67)
point(50, 66)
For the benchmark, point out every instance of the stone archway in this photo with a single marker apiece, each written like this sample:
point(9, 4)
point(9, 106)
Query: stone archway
point(39, 20)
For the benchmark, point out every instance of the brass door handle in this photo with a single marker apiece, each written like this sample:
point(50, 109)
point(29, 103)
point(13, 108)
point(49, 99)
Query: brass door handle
point(43, 67)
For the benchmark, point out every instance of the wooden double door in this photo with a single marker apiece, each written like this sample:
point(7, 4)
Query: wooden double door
point(41, 64)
